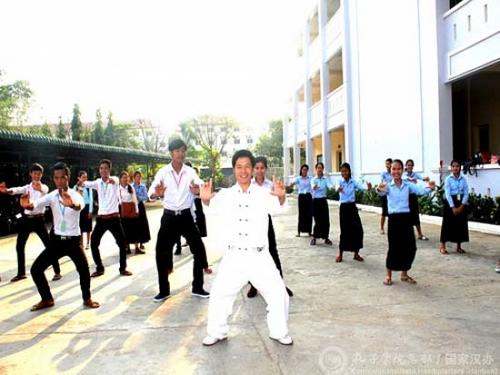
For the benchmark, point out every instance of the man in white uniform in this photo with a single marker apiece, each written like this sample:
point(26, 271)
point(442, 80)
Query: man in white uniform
point(244, 210)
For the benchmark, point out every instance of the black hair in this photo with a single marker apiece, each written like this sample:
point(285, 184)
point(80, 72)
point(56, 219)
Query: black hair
point(318, 164)
point(261, 159)
point(410, 161)
point(137, 173)
point(304, 166)
point(398, 161)
point(243, 154)
point(188, 163)
point(388, 160)
point(455, 161)
point(61, 166)
point(176, 144)
point(346, 166)
point(36, 167)
point(129, 188)
point(105, 161)
point(82, 172)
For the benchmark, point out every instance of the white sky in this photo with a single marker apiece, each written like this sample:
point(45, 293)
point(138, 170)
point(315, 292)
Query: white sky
point(162, 60)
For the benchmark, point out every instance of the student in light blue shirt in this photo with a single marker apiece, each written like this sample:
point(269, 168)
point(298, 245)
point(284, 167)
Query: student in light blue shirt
point(400, 235)
point(86, 213)
point(351, 229)
point(455, 225)
point(141, 191)
point(320, 184)
point(303, 183)
point(414, 178)
point(385, 177)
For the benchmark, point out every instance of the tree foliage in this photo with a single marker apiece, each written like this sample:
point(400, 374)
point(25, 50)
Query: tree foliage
point(15, 100)
point(98, 133)
point(210, 134)
point(76, 124)
point(61, 131)
point(109, 132)
point(270, 144)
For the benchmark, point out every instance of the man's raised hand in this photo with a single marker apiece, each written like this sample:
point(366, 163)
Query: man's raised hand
point(206, 192)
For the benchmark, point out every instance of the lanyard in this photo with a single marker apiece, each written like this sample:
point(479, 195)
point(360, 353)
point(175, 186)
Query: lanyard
point(104, 188)
point(177, 182)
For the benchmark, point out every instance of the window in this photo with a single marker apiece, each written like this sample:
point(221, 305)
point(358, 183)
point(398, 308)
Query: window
point(236, 140)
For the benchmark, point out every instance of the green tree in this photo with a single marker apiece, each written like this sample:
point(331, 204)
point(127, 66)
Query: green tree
point(15, 100)
point(98, 134)
point(270, 144)
point(151, 138)
point(109, 132)
point(76, 124)
point(210, 133)
point(45, 130)
point(61, 131)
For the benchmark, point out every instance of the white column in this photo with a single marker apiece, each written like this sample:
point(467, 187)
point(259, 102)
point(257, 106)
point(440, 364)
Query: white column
point(295, 120)
point(286, 152)
point(308, 95)
point(350, 66)
point(324, 74)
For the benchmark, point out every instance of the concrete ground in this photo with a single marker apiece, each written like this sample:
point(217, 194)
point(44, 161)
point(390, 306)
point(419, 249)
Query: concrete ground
point(342, 319)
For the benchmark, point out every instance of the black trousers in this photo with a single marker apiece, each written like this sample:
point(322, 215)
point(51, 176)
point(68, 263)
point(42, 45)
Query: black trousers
point(173, 226)
point(273, 248)
point(115, 227)
point(28, 225)
point(57, 249)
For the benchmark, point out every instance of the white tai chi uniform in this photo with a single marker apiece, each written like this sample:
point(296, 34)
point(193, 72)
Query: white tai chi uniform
point(244, 216)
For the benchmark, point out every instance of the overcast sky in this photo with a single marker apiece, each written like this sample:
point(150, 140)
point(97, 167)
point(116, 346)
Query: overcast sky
point(161, 60)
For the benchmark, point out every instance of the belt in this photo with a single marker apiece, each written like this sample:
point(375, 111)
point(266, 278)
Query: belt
point(35, 216)
point(177, 212)
point(65, 238)
point(109, 216)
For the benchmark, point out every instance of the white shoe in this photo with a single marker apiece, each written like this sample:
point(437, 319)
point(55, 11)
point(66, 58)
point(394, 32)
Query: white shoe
point(286, 340)
point(497, 268)
point(209, 340)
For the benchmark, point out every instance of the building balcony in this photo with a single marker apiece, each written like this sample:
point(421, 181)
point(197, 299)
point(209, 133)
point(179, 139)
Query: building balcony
point(336, 108)
point(472, 36)
point(333, 33)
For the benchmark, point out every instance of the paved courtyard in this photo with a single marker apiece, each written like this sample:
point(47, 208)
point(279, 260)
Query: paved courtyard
point(342, 319)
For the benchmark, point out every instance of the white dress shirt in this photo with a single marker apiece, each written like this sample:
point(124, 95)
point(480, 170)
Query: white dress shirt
point(107, 194)
point(33, 194)
point(127, 197)
point(178, 196)
point(268, 184)
point(66, 219)
point(243, 216)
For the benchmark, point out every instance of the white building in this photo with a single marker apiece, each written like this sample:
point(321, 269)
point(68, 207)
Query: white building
point(415, 79)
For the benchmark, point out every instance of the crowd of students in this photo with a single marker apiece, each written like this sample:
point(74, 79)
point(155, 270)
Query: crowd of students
point(244, 211)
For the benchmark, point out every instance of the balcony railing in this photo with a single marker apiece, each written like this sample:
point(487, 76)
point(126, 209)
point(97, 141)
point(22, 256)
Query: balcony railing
point(334, 31)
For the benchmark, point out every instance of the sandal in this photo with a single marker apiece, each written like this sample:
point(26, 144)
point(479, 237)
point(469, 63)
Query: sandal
point(358, 257)
point(460, 250)
point(387, 281)
point(443, 251)
point(338, 259)
point(408, 280)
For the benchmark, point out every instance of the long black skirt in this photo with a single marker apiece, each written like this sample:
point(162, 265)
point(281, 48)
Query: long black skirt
point(321, 218)
point(402, 246)
point(351, 230)
point(414, 209)
point(305, 213)
point(131, 229)
point(385, 210)
point(201, 222)
point(454, 228)
point(85, 221)
point(143, 233)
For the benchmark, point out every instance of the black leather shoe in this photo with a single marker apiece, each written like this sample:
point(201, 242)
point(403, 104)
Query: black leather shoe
point(252, 292)
point(289, 291)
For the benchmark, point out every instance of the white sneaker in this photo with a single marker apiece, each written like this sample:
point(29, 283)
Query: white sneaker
point(286, 340)
point(497, 268)
point(209, 340)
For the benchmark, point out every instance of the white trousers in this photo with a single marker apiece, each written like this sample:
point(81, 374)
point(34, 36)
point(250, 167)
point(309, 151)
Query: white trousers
point(236, 269)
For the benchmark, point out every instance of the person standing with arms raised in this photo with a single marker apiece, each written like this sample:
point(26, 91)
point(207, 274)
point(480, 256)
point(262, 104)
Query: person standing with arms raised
point(66, 205)
point(108, 217)
point(320, 185)
point(31, 221)
point(177, 184)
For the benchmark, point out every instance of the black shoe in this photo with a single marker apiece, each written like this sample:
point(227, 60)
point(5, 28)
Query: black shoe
point(328, 242)
point(17, 278)
point(129, 251)
point(160, 297)
point(289, 291)
point(313, 242)
point(125, 273)
point(202, 293)
point(252, 292)
point(97, 273)
point(178, 251)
